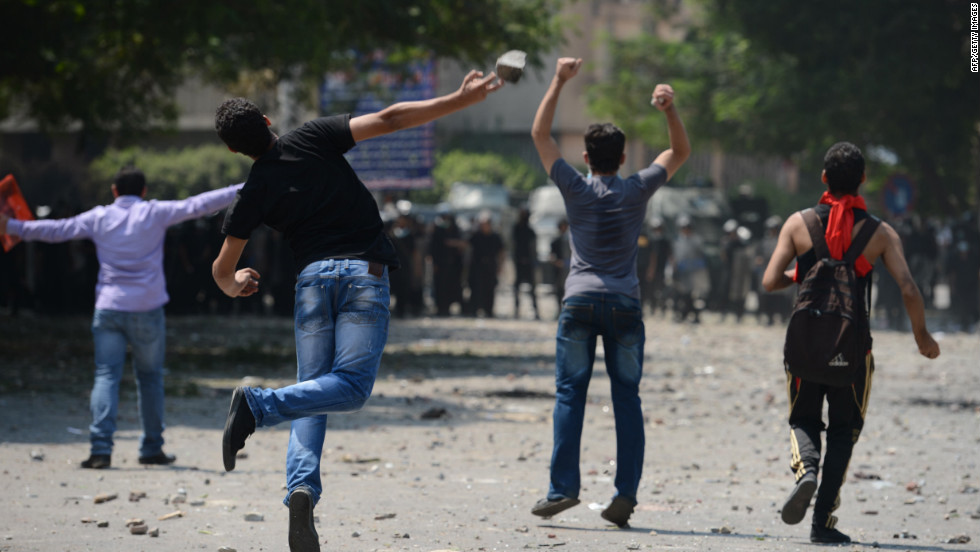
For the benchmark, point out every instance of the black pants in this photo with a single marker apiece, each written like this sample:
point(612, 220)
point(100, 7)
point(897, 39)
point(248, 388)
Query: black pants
point(846, 407)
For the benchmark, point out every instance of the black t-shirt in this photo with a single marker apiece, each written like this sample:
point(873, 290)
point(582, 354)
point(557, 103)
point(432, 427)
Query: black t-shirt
point(304, 188)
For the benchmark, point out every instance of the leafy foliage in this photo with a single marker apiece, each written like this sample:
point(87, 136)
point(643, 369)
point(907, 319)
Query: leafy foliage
point(172, 174)
point(491, 168)
point(790, 79)
point(112, 66)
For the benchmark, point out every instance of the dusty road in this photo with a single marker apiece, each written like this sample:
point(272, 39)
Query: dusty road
point(453, 448)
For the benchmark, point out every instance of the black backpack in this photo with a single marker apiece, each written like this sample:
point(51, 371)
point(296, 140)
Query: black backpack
point(828, 336)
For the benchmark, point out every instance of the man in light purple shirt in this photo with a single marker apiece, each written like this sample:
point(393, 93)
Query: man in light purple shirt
point(130, 294)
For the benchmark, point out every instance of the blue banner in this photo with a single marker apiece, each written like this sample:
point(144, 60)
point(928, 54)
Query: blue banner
point(400, 160)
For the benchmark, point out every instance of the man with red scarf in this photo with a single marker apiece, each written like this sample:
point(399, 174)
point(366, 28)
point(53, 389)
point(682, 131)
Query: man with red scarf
point(842, 212)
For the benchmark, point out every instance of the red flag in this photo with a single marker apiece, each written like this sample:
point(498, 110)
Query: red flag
point(12, 204)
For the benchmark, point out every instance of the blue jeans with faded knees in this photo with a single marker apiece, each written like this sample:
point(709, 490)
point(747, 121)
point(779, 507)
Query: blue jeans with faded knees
point(341, 319)
point(618, 319)
point(146, 333)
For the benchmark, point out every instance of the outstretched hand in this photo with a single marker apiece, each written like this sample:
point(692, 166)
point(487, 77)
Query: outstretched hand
point(567, 68)
point(475, 86)
point(663, 97)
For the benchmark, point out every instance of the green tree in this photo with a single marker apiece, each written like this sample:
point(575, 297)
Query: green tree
point(492, 168)
point(112, 66)
point(790, 79)
point(172, 174)
point(478, 168)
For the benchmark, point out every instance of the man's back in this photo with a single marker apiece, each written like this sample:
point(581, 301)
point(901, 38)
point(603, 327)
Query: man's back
point(885, 243)
point(128, 235)
point(606, 215)
point(794, 241)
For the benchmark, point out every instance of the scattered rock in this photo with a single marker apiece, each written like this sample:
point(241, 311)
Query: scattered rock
point(723, 530)
point(384, 516)
point(155, 532)
point(870, 512)
point(135, 496)
point(102, 524)
point(37, 455)
point(904, 535)
point(348, 459)
point(87, 520)
point(254, 516)
point(134, 521)
point(355, 534)
point(105, 497)
point(171, 515)
point(227, 549)
point(140, 529)
point(434, 413)
point(961, 539)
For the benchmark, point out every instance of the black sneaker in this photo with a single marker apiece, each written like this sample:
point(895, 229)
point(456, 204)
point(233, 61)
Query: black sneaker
point(547, 508)
point(159, 459)
point(302, 533)
point(794, 509)
point(97, 462)
point(619, 511)
point(239, 425)
point(823, 535)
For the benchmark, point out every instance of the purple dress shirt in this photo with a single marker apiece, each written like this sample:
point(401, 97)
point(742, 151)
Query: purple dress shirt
point(128, 237)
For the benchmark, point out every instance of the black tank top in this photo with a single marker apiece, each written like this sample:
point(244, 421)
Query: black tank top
point(806, 261)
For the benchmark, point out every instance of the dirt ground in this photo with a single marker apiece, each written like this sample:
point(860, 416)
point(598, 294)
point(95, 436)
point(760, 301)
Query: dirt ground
point(453, 448)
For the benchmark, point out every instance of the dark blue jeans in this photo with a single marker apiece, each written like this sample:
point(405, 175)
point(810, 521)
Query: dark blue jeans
point(617, 318)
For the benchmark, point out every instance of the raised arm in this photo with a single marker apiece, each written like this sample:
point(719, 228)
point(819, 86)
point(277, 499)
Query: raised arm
point(474, 89)
point(680, 147)
point(177, 211)
point(541, 129)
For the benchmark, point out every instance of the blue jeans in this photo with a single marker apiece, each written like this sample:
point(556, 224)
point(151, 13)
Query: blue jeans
point(341, 329)
point(146, 333)
point(618, 319)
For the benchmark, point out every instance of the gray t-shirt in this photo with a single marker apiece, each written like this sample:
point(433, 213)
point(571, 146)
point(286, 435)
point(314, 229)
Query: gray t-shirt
point(605, 216)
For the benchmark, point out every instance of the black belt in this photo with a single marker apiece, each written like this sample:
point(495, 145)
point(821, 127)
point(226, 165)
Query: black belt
point(376, 269)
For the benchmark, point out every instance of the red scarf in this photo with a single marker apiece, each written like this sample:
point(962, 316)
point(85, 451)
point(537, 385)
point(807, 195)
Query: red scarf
point(841, 224)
